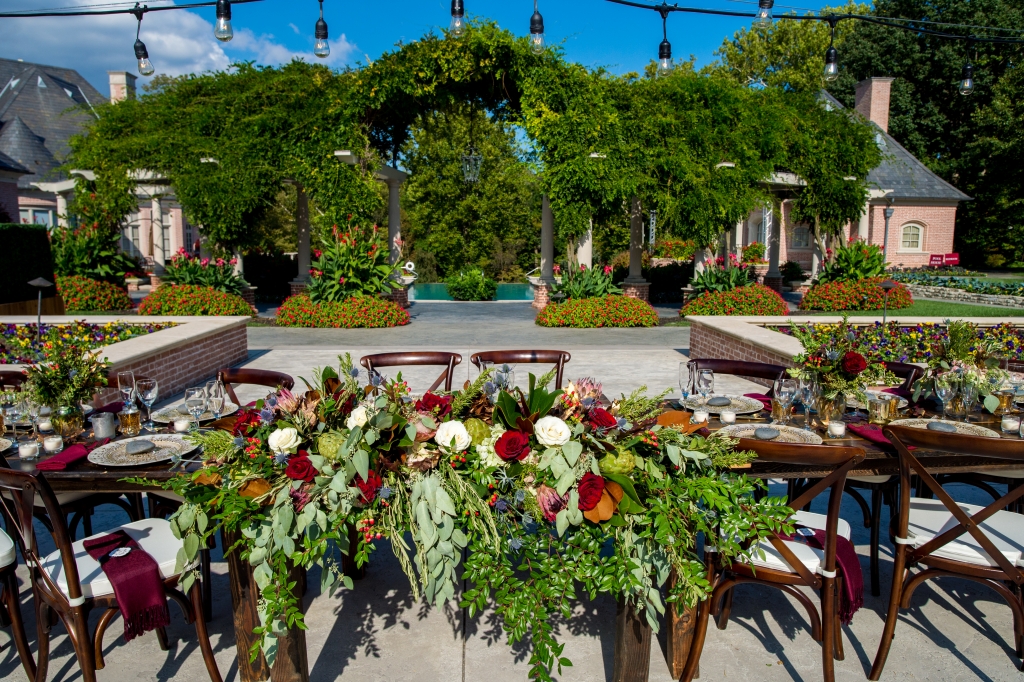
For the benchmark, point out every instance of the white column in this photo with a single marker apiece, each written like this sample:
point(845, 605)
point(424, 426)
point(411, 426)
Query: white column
point(864, 223)
point(585, 247)
point(815, 258)
point(700, 260)
point(239, 266)
point(157, 223)
point(774, 244)
point(636, 244)
point(394, 219)
point(547, 241)
point(302, 226)
point(737, 238)
point(62, 210)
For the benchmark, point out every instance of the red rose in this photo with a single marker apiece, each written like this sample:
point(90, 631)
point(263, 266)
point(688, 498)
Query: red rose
point(247, 420)
point(512, 446)
point(601, 418)
point(300, 468)
point(853, 363)
point(590, 490)
point(439, 405)
point(370, 486)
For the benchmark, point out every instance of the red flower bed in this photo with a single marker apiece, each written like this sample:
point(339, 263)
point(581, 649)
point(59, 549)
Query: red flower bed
point(354, 312)
point(170, 299)
point(82, 294)
point(754, 299)
point(861, 294)
point(609, 311)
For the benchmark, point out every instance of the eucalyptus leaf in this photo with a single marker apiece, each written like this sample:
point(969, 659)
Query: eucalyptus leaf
point(361, 461)
point(572, 451)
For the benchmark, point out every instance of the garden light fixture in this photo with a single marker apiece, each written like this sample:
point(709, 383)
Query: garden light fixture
point(831, 56)
point(536, 30)
point(222, 29)
point(145, 66)
point(40, 283)
point(967, 82)
point(321, 48)
point(764, 14)
point(458, 26)
point(665, 64)
point(887, 286)
point(471, 162)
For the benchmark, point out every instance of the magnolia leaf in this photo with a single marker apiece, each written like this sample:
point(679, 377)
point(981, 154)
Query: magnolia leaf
point(562, 522)
point(361, 461)
point(572, 451)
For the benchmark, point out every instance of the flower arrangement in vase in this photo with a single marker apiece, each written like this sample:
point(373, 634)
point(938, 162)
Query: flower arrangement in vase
point(69, 375)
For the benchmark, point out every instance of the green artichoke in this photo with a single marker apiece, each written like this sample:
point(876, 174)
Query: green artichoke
point(621, 463)
point(478, 430)
point(328, 445)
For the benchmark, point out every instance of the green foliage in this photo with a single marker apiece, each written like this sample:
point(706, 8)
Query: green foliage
point(92, 252)
point(352, 313)
point(27, 256)
point(185, 299)
point(855, 294)
point(854, 261)
point(720, 279)
point(81, 294)
point(792, 271)
point(755, 299)
point(471, 285)
point(753, 253)
point(69, 373)
point(608, 311)
point(679, 249)
point(218, 274)
point(587, 283)
point(353, 262)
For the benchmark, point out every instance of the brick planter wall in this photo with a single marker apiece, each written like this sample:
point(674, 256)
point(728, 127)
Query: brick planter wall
point(541, 295)
point(399, 296)
point(155, 282)
point(297, 288)
point(961, 296)
point(773, 283)
point(249, 296)
point(637, 290)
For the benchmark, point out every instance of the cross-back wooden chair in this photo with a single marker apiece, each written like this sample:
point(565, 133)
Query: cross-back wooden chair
point(787, 564)
point(10, 602)
point(258, 377)
point(949, 538)
point(416, 358)
point(558, 358)
point(69, 583)
point(755, 370)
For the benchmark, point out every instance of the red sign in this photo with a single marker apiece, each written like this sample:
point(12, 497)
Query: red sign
point(936, 260)
point(952, 259)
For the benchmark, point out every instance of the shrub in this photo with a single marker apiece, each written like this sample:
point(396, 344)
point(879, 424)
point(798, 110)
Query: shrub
point(172, 299)
point(82, 294)
point(753, 253)
point(970, 285)
point(678, 249)
point(792, 271)
point(471, 285)
point(863, 294)
point(352, 263)
point(854, 261)
point(358, 311)
point(755, 299)
point(587, 283)
point(92, 251)
point(216, 274)
point(721, 279)
point(622, 260)
point(609, 311)
point(26, 257)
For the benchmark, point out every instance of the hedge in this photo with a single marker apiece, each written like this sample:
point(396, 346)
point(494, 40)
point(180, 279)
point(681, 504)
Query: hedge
point(184, 299)
point(609, 311)
point(861, 294)
point(754, 299)
point(82, 294)
point(26, 257)
point(352, 313)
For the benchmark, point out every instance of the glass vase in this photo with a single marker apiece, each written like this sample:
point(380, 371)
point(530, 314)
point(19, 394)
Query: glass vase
point(830, 408)
point(68, 421)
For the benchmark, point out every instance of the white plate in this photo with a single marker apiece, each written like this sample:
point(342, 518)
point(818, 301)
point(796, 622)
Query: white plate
point(166, 415)
point(963, 428)
point(787, 434)
point(740, 404)
point(4, 444)
point(114, 455)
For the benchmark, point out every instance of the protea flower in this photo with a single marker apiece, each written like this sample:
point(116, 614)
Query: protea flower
point(550, 502)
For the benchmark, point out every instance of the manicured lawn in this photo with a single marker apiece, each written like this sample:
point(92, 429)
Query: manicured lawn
point(945, 309)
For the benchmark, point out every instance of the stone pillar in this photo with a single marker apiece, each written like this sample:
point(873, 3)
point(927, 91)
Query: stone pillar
point(815, 258)
point(547, 242)
point(635, 286)
point(864, 223)
point(302, 227)
point(394, 219)
point(239, 265)
point(737, 238)
point(585, 247)
point(773, 280)
point(157, 229)
point(62, 210)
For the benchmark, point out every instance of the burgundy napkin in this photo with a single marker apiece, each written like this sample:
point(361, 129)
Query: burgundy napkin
point(69, 455)
point(138, 588)
point(871, 432)
point(852, 596)
point(901, 392)
point(762, 397)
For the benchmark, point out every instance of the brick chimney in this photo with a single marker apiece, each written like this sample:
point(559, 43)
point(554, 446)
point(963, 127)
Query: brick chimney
point(873, 101)
point(122, 86)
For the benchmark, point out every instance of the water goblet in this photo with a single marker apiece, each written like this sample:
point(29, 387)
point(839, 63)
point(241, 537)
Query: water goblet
point(148, 393)
point(785, 392)
point(706, 384)
point(126, 384)
point(685, 381)
point(215, 398)
point(195, 402)
point(805, 393)
point(945, 390)
point(970, 394)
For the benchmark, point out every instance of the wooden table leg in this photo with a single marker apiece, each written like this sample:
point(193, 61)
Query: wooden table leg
point(291, 664)
point(680, 623)
point(632, 645)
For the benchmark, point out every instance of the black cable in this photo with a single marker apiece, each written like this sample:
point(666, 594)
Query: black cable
point(135, 10)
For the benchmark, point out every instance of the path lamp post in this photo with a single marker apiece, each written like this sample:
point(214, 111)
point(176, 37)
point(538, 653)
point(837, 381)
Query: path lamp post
point(887, 286)
point(40, 284)
point(471, 162)
point(885, 240)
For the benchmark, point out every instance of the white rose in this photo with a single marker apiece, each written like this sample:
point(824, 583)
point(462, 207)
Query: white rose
point(357, 418)
point(552, 431)
point(284, 440)
point(450, 431)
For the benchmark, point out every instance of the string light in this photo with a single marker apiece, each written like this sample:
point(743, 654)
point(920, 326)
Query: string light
point(222, 29)
point(967, 82)
point(665, 64)
point(458, 26)
point(764, 14)
point(141, 53)
point(831, 57)
point(536, 30)
point(321, 48)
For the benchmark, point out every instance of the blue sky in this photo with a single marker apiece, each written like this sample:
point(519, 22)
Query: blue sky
point(592, 32)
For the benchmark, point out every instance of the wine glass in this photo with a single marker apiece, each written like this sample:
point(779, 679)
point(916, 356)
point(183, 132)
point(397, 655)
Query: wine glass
point(945, 390)
point(195, 402)
point(126, 384)
point(215, 398)
point(970, 393)
point(785, 392)
point(685, 381)
point(706, 384)
point(805, 394)
point(148, 393)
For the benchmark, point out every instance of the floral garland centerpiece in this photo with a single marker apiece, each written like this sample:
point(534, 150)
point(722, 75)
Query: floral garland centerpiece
point(971, 359)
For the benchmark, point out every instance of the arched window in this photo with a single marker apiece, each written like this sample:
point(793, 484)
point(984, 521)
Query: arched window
point(912, 237)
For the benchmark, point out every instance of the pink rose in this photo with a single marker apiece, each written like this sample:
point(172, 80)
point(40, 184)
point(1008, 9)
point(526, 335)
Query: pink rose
point(205, 262)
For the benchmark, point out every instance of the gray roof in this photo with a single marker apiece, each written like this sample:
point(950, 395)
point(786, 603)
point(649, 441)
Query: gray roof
point(10, 165)
point(901, 171)
point(52, 104)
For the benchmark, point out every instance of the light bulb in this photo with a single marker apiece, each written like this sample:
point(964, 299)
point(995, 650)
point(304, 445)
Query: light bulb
point(537, 43)
point(665, 63)
point(831, 64)
point(967, 83)
point(222, 29)
point(764, 14)
point(458, 26)
point(145, 66)
point(537, 32)
point(321, 48)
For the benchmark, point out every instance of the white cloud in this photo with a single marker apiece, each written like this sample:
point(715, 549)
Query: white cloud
point(295, 28)
point(178, 41)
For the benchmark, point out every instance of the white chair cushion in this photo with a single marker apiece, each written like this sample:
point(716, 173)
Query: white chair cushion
point(166, 495)
point(153, 535)
point(808, 556)
point(62, 498)
point(7, 553)
point(1010, 473)
point(869, 479)
point(930, 518)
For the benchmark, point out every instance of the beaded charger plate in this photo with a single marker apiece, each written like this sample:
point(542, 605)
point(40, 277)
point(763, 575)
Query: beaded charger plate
point(166, 415)
point(961, 427)
point(740, 404)
point(5, 443)
point(115, 454)
point(855, 403)
point(787, 434)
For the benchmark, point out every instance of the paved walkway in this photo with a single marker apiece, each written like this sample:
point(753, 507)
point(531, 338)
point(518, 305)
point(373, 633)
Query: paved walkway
point(955, 630)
